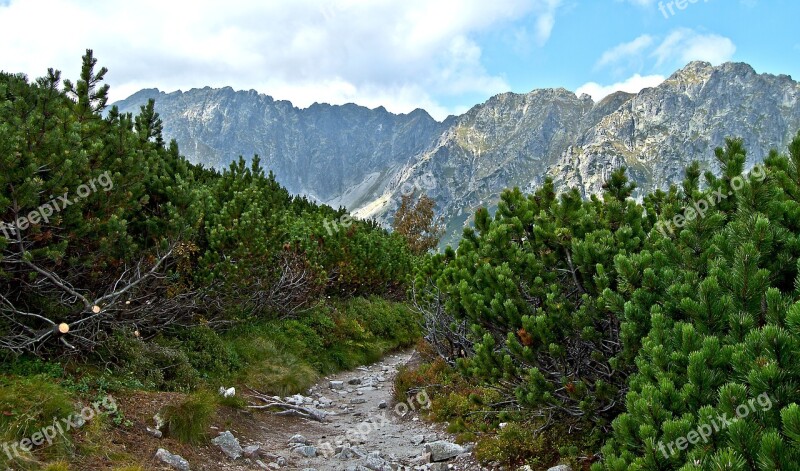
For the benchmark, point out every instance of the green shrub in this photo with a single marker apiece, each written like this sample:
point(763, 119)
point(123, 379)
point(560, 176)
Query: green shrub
point(154, 363)
point(189, 420)
point(519, 444)
point(207, 352)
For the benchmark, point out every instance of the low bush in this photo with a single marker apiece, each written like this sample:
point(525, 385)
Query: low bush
point(189, 420)
point(155, 363)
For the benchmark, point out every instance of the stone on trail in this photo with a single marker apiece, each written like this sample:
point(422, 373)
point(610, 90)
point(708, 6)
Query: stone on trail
point(337, 384)
point(443, 451)
point(561, 467)
point(229, 445)
point(252, 450)
point(175, 461)
point(299, 439)
point(306, 451)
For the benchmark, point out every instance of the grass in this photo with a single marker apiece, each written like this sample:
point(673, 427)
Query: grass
point(27, 406)
point(189, 420)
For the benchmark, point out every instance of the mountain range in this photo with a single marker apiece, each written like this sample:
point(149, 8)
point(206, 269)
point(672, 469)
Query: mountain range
point(364, 159)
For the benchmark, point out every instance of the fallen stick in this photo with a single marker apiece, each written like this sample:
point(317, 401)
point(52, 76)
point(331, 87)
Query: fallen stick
point(270, 402)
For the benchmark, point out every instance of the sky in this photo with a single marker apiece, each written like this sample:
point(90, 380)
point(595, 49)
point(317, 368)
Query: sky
point(440, 55)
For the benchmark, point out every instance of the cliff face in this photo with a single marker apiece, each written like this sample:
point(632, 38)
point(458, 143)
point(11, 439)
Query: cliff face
point(334, 154)
point(364, 159)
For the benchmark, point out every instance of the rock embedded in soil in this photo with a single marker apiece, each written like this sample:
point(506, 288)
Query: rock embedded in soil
point(229, 445)
point(299, 439)
point(443, 451)
point(306, 451)
point(251, 451)
point(174, 461)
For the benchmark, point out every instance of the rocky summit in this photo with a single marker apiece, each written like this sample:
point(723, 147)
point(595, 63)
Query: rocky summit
point(365, 159)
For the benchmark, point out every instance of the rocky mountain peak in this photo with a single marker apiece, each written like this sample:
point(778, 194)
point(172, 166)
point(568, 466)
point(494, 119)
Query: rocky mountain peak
point(366, 159)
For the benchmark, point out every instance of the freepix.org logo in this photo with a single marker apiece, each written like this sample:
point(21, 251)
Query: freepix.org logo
point(59, 427)
point(704, 431)
point(43, 213)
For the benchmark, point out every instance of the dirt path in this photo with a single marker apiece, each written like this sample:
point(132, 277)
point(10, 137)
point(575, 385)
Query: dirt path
point(365, 428)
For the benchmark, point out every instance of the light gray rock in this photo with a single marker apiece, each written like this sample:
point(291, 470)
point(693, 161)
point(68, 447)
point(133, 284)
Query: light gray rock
point(443, 451)
point(251, 451)
point(299, 439)
point(561, 467)
point(174, 461)
point(229, 445)
point(306, 451)
point(337, 385)
point(376, 463)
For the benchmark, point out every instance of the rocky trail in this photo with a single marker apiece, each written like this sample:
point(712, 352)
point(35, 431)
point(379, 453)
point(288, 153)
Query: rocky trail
point(363, 429)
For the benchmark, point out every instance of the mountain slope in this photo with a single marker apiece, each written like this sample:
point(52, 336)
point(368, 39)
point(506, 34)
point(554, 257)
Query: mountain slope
point(364, 159)
point(334, 154)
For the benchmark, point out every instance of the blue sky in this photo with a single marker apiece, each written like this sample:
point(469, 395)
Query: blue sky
point(440, 55)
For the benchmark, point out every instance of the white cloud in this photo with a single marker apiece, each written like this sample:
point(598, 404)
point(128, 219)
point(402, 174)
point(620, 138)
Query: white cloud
point(402, 55)
point(684, 45)
point(679, 47)
point(634, 84)
point(632, 49)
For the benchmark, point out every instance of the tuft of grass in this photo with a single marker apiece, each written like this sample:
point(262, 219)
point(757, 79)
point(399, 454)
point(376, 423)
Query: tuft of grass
point(57, 466)
point(235, 402)
point(189, 420)
point(29, 404)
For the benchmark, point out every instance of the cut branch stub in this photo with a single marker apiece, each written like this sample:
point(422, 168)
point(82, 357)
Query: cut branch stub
point(63, 327)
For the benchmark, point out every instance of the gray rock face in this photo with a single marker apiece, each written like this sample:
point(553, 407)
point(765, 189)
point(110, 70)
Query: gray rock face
point(323, 151)
point(443, 451)
point(561, 467)
point(229, 445)
point(365, 159)
point(174, 461)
